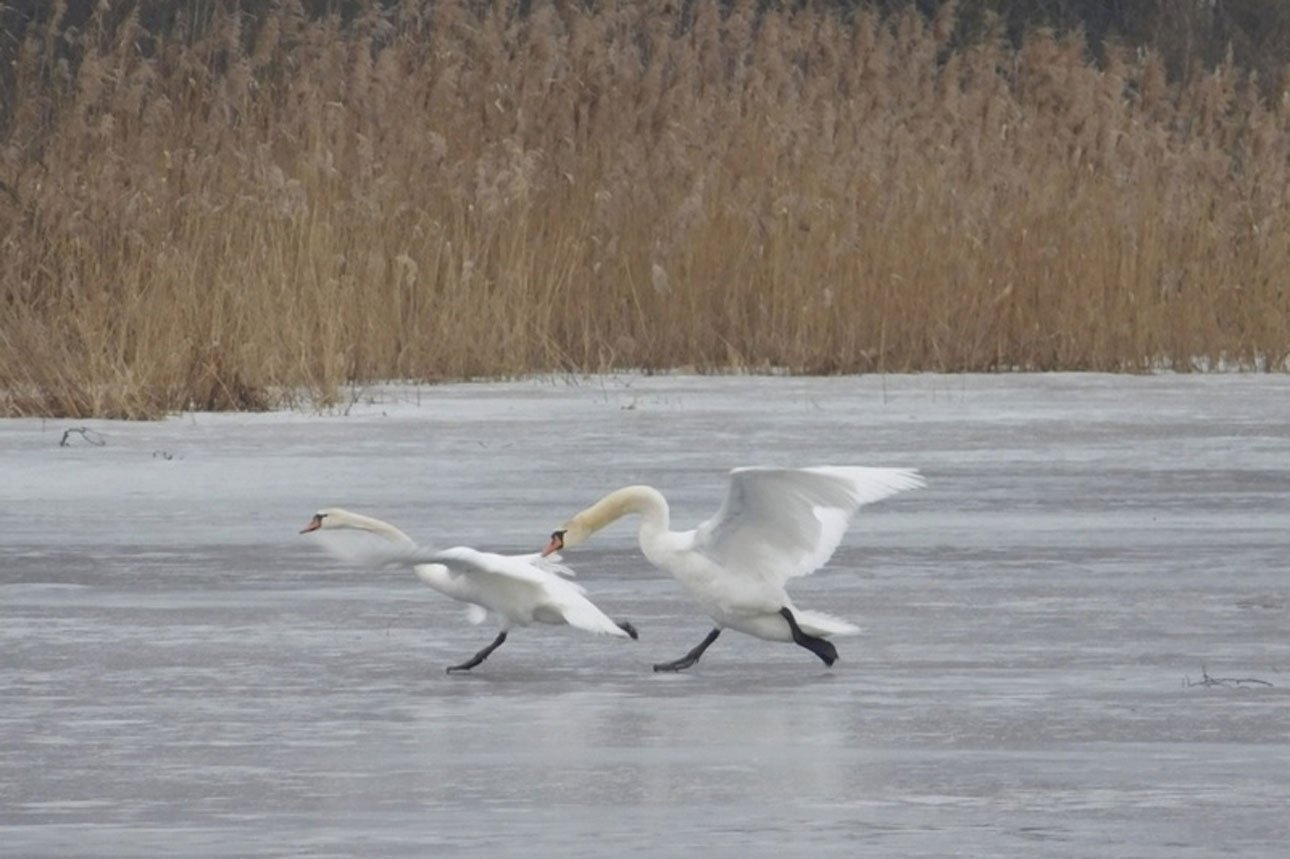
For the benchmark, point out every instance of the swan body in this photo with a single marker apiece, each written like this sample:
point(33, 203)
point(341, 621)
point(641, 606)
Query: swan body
point(774, 525)
point(519, 589)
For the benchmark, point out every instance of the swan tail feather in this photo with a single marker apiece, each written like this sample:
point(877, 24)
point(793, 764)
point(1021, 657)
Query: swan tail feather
point(583, 614)
point(820, 624)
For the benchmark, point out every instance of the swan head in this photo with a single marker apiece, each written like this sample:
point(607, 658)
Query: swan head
point(644, 500)
point(562, 538)
point(572, 533)
point(319, 521)
point(334, 517)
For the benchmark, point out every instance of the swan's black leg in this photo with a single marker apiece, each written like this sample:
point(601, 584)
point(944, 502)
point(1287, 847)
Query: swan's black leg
point(627, 627)
point(690, 658)
point(480, 656)
point(819, 646)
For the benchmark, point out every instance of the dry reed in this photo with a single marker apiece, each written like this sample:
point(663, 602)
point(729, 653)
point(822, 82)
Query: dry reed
point(229, 215)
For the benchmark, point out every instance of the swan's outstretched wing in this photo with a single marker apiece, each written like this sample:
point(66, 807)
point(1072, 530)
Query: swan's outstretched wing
point(551, 563)
point(783, 522)
point(463, 560)
point(568, 598)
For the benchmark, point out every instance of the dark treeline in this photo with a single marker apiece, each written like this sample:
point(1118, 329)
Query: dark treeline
point(1187, 32)
point(1189, 35)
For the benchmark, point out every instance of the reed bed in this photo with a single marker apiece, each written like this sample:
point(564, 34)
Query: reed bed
point(245, 210)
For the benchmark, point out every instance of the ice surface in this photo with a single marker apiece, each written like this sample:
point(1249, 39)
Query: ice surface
point(185, 675)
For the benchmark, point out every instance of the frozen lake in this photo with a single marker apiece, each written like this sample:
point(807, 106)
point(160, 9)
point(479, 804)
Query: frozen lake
point(185, 675)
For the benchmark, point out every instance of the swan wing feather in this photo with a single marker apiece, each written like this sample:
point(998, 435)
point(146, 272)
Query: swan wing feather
point(568, 598)
point(463, 560)
point(551, 564)
point(779, 523)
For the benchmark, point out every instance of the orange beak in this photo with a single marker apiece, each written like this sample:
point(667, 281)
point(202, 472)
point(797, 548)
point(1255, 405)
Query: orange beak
point(556, 544)
point(314, 524)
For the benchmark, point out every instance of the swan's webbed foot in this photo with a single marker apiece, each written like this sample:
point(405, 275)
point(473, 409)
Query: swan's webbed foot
point(690, 658)
point(480, 656)
point(821, 647)
point(627, 627)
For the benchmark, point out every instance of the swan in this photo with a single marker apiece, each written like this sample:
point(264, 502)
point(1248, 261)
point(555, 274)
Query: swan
point(775, 524)
point(519, 589)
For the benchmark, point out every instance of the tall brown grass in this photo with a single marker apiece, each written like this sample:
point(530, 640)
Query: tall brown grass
point(232, 214)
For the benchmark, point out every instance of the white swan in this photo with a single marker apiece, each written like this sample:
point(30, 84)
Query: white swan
point(519, 589)
point(775, 524)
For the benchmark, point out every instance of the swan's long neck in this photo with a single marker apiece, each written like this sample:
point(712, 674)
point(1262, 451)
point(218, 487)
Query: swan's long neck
point(645, 501)
point(346, 519)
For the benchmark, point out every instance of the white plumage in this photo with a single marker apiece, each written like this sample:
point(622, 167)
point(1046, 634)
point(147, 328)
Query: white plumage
point(775, 524)
point(519, 589)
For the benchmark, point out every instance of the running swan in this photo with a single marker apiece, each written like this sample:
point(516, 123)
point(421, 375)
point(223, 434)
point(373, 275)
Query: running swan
point(519, 589)
point(775, 524)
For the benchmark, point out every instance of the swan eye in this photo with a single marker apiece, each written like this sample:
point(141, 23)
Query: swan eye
point(558, 537)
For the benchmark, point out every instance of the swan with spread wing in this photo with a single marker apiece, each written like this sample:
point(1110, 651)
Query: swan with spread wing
point(519, 589)
point(775, 524)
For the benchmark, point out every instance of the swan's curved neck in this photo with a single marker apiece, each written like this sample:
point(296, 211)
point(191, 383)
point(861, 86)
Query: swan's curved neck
point(645, 501)
point(357, 521)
